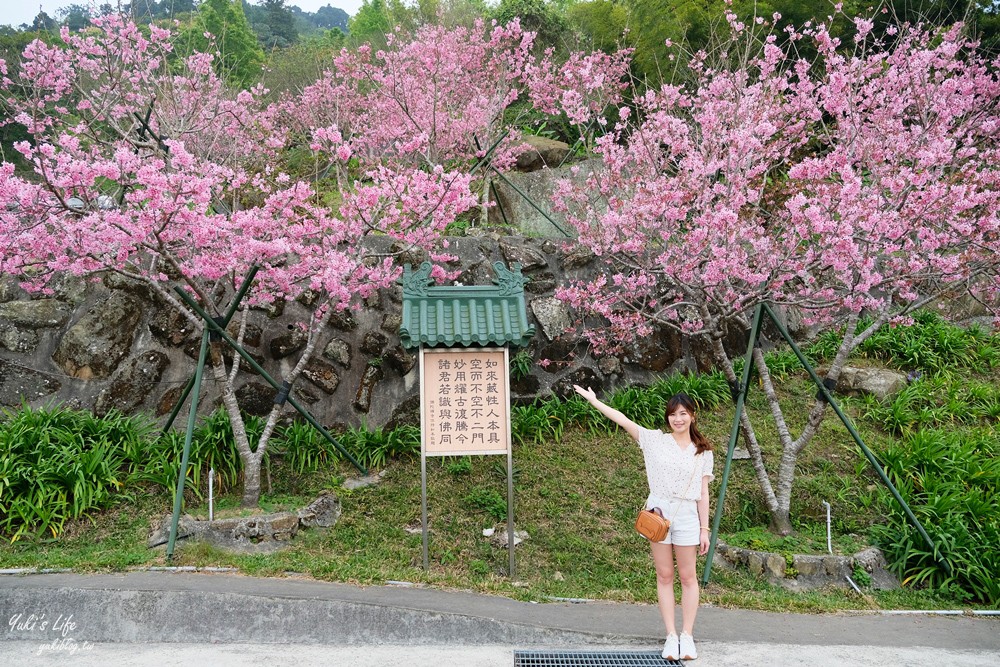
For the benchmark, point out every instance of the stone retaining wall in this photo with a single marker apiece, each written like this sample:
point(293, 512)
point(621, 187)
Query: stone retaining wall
point(109, 344)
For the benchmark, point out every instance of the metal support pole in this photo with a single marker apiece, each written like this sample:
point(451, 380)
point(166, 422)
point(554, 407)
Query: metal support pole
point(734, 434)
point(233, 307)
point(192, 416)
point(828, 397)
point(510, 513)
point(533, 204)
point(515, 188)
point(214, 327)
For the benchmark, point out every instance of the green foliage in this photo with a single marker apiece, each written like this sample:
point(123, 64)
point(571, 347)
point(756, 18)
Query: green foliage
point(951, 480)
point(929, 344)
point(241, 57)
point(935, 401)
point(538, 16)
point(603, 22)
point(536, 423)
point(376, 18)
point(460, 466)
point(373, 448)
point(489, 501)
point(521, 365)
point(58, 464)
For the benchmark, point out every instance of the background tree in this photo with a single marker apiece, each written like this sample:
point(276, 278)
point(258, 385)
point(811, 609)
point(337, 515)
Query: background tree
point(541, 17)
point(603, 22)
point(194, 200)
point(240, 57)
point(328, 17)
point(852, 190)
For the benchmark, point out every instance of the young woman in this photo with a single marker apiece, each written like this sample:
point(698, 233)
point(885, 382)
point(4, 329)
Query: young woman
point(678, 468)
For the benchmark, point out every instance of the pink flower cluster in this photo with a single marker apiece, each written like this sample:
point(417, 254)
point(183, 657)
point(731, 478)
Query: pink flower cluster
point(862, 181)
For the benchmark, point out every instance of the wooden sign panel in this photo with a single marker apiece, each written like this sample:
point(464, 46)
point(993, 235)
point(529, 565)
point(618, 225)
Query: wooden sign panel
point(464, 401)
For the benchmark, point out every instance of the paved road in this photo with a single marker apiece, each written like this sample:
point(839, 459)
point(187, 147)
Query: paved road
point(157, 618)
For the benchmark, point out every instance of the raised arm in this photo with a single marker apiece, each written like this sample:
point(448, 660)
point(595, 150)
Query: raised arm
point(614, 415)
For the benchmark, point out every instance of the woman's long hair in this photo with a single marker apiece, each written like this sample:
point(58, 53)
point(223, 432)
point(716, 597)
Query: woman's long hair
point(682, 400)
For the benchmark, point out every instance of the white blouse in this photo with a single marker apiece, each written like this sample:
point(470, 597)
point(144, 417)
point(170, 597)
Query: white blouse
point(672, 472)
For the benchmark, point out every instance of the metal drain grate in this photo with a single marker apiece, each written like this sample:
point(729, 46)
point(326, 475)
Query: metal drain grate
point(592, 659)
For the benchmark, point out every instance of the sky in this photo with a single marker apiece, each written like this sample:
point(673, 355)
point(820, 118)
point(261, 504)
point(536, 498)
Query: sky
point(16, 12)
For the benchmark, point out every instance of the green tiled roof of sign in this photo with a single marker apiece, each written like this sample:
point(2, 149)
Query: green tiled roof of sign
point(465, 316)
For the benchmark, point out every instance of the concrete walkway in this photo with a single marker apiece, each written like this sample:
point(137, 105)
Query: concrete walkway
point(166, 618)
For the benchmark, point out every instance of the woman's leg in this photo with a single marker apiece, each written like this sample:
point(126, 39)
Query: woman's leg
point(663, 560)
point(686, 570)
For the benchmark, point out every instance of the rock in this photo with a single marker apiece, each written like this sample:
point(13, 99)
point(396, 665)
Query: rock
point(775, 565)
point(391, 323)
point(538, 187)
point(553, 316)
point(339, 351)
point(256, 398)
point(288, 344)
point(251, 336)
point(8, 289)
point(132, 384)
point(366, 387)
point(526, 256)
point(18, 384)
point(324, 512)
point(879, 382)
point(171, 327)
point(38, 314)
point(374, 343)
point(500, 538)
point(585, 377)
point(557, 356)
point(97, 343)
point(254, 534)
point(322, 375)
point(21, 341)
point(610, 365)
point(343, 320)
point(541, 152)
point(400, 360)
point(355, 483)
point(659, 351)
point(577, 258)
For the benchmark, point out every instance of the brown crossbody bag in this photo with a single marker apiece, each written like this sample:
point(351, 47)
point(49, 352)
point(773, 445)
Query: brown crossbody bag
point(654, 526)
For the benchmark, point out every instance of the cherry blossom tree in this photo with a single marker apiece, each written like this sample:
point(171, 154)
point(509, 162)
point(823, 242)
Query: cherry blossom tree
point(155, 170)
point(861, 184)
point(164, 176)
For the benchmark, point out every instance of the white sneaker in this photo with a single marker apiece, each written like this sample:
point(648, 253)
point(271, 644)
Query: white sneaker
point(687, 649)
point(670, 648)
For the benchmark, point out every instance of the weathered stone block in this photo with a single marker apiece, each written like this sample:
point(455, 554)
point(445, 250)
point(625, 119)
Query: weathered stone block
point(553, 316)
point(366, 387)
point(322, 375)
point(18, 384)
point(37, 314)
point(288, 344)
point(339, 351)
point(100, 340)
point(132, 384)
point(775, 565)
point(374, 343)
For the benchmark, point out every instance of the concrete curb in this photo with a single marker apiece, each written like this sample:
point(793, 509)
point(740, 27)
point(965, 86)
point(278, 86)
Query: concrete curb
point(183, 607)
point(222, 608)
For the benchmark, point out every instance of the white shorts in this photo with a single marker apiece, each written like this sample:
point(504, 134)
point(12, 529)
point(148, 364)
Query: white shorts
point(685, 527)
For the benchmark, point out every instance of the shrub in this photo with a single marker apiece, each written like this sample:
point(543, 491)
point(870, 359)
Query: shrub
point(951, 481)
point(58, 464)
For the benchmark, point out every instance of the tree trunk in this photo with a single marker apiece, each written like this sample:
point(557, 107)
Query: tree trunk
point(251, 481)
point(250, 460)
